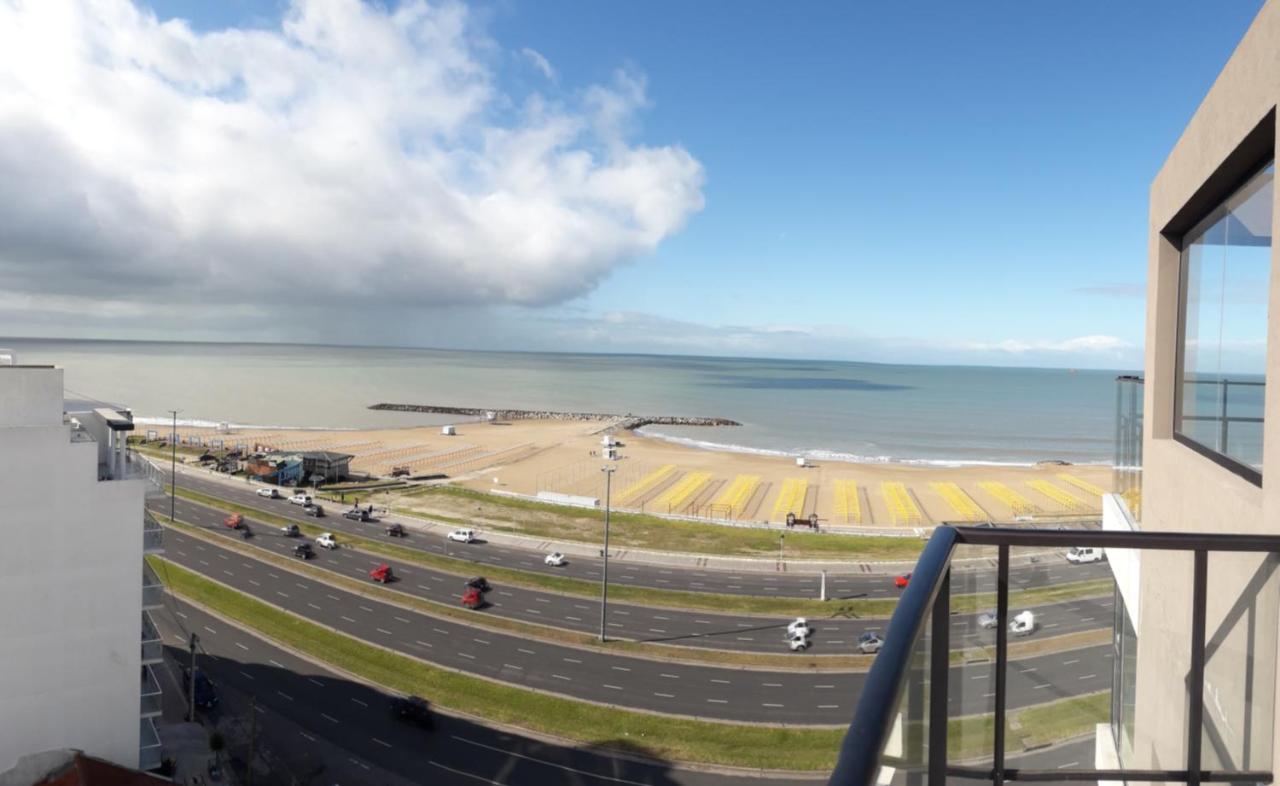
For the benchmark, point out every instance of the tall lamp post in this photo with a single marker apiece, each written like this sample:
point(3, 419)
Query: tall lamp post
point(604, 575)
point(173, 469)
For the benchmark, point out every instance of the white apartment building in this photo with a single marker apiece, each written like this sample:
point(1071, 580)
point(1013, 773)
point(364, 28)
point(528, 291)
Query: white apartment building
point(76, 643)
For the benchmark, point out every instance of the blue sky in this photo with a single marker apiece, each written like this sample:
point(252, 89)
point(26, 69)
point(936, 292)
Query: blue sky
point(926, 181)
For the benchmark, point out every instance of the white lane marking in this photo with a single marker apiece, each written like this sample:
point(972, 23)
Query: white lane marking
point(384, 631)
point(380, 742)
point(1069, 662)
point(361, 703)
point(828, 706)
point(211, 630)
point(246, 675)
point(533, 611)
point(467, 655)
point(562, 677)
point(438, 630)
point(423, 643)
point(670, 676)
point(285, 695)
point(721, 682)
point(772, 684)
point(308, 736)
point(575, 619)
point(254, 583)
point(526, 652)
point(770, 705)
point(241, 646)
point(365, 608)
point(315, 682)
point(275, 663)
point(281, 594)
point(314, 606)
point(620, 668)
point(718, 701)
point(571, 660)
point(329, 718)
point(1046, 685)
point(665, 695)
point(401, 619)
point(1087, 677)
point(509, 666)
point(348, 619)
point(333, 597)
point(824, 686)
point(611, 687)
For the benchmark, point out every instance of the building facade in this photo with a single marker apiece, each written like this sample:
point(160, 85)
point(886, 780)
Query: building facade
point(1209, 425)
point(77, 644)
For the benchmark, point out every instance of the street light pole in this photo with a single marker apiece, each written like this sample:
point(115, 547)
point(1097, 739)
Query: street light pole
point(604, 575)
point(782, 542)
point(173, 466)
point(191, 679)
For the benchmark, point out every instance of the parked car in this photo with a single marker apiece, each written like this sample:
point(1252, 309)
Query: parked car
point(381, 574)
point(797, 642)
point(462, 535)
point(472, 598)
point(300, 499)
point(395, 530)
point(1022, 624)
point(479, 583)
point(1081, 555)
point(272, 493)
point(988, 619)
point(411, 709)
point(314, 510)
point(902, 581)
point(869, 643)
point(303, 551)
point(799, 625)
point(234, 521)
point(206, 694)
point(326, 541)
point(555, 559)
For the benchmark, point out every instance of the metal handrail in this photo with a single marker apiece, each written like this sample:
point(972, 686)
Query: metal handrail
point(928, 592)
point(860, 751)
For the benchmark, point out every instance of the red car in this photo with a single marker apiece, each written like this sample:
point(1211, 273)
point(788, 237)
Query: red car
point(472, 598)
point(902, 581)
point(382, 573)
point(234, 521)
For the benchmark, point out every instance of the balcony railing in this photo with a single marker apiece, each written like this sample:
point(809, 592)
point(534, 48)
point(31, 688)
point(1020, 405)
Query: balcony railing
point(149, 749)
point(915, 722)
point(150, 693)
point(152, 589)
point(152, 647)
point(152, 535)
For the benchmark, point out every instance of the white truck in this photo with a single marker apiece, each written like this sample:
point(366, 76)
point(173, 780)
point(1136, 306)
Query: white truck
point(1081, 555)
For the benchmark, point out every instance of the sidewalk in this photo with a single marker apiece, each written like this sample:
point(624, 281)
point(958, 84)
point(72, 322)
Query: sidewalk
point(667, 558)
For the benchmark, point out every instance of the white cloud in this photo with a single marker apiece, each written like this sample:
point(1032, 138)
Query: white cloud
point(539, 62)
point(353, 155)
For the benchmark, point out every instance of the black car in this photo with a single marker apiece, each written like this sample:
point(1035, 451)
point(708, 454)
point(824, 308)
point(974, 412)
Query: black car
point(395, 530)
point(290, 531)
point(314, 510)
point(206, 694)
point(303, 551)
point(411, 709)
point(479, 583)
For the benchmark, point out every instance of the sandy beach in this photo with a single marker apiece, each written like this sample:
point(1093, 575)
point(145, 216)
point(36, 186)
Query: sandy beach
point(564, 457)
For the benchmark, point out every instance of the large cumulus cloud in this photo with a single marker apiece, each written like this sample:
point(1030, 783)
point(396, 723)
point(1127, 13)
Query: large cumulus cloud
point(352, 153)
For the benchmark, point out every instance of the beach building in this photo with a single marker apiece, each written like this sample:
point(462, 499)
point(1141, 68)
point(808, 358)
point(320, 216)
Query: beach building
point(1191, 536)
point(300, 468)
point(78, 644)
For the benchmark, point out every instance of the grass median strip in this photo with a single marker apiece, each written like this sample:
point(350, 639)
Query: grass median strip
point(661, 737)
point(665, 652)
point(645, 596)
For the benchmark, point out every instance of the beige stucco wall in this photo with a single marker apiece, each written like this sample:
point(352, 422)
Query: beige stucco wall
point(1183, 491)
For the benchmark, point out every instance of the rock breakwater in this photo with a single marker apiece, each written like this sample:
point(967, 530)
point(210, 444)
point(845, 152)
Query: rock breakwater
point(627, 421)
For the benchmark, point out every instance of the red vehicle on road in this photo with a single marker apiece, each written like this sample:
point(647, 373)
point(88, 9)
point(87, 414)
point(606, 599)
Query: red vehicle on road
point(902, 581)
point(382, 573)
point(234, 521)
point(472, 598)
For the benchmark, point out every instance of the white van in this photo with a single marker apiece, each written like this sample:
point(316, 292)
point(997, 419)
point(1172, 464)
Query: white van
point(1080, 555)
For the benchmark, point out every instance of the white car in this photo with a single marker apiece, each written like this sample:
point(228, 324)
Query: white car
point(799, 625)
point(988, 619)
point(326, 541)
point(555, 559)
point(462, 535)
point(797, 642)
point(272, 493)
point(300, 499)
point(1082, 555)
point(1022, 624)
point(870, 643)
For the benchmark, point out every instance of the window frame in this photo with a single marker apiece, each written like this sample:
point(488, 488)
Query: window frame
point(1226, 186)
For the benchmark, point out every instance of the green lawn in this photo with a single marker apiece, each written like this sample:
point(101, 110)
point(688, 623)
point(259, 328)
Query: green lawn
point(660, 737)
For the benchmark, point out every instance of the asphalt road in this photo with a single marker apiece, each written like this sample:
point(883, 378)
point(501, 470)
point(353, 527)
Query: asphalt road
point(834, 635)
point(690, 690)
point(855, 584)
point(332, 712)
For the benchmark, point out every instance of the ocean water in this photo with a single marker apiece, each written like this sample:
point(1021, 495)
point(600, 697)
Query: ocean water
point(825, 409)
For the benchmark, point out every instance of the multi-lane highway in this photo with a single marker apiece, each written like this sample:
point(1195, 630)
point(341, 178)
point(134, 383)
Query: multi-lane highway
point(639, 623)
point(588, 674)
point(857, 583)
point(332, 710)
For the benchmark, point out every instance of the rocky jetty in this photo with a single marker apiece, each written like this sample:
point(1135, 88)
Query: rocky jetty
point(622, 421)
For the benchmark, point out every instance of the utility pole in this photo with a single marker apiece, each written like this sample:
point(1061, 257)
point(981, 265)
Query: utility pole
point(604, 575)
point(782, 542)
point(173, 468)
point(191, 681)
point(253, 736)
